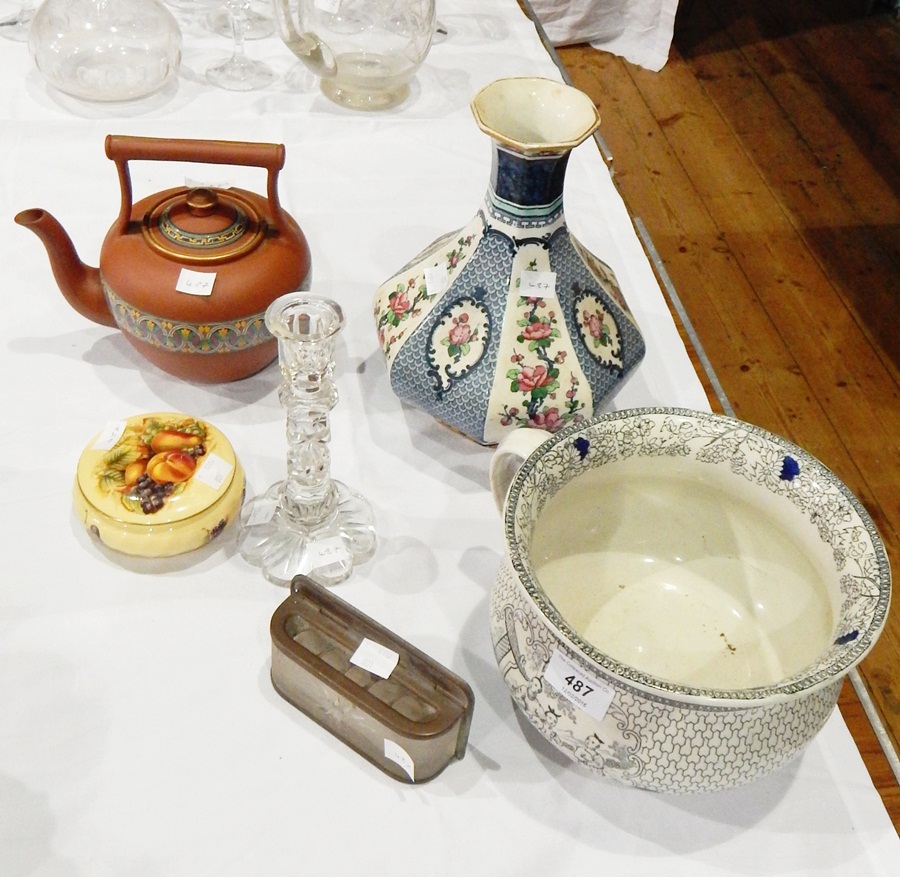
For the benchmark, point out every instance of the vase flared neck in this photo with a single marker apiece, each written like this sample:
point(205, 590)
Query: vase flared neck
point(527, 187)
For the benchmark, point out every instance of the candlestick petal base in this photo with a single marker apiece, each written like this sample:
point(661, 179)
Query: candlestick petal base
point(285, 546)
point(307, 524)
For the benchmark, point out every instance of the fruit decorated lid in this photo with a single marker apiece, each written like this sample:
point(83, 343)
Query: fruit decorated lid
point(158, 484)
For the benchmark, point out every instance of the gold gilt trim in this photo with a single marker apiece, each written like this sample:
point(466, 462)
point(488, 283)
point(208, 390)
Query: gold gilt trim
point(204, 241)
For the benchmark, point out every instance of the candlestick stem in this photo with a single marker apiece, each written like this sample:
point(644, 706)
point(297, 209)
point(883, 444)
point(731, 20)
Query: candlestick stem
point(308, 523)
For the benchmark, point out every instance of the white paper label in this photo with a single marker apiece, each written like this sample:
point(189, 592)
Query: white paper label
point(375, 658)
point(261, 512)
point(583, 689)
point(537, 284)
point(327, 552)
point(224, 181)
point(111, 433)
point(400, 756)
point(195, 282)
point(329, 6)
point(436, 279)
point(213, 471)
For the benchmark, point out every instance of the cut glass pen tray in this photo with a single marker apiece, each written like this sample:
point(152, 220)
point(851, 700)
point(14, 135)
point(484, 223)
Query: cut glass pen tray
point(410, 724)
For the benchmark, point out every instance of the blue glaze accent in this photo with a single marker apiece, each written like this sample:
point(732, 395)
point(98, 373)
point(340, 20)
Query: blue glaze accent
point(790, 469)
point(582, 445)
point(846, 638)
point(528, 181)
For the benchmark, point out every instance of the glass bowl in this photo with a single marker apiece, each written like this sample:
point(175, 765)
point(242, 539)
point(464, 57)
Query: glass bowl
point(106, 50)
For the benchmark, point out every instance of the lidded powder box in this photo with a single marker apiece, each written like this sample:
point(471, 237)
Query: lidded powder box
point(158, 484)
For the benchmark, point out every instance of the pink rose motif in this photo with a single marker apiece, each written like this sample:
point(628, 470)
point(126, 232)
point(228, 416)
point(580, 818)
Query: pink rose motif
point(537, 331)
point(532, 377)
point(460, 333)
point(399, 304)
point(550, 420)
point(594, 324)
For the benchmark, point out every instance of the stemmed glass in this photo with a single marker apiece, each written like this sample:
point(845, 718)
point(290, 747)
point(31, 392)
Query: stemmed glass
point(16, 26)
point(258, 24)
point(239, 73)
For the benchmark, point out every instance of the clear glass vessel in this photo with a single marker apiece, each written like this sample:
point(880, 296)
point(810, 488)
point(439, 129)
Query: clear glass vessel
point(258, 23)
point(239, 73)
point(307, 524)
point(364, 52)
point(16, 27)
point(106, 50)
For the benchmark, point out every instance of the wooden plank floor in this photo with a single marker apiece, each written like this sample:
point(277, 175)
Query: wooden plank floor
point(764, 162)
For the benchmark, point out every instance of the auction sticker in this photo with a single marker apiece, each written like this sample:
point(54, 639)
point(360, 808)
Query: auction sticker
point(537, 284)
point(396, 753)
point(214, 470)
point(375, 658)
point(110, 434)
point(436, 279)
point(583, 689)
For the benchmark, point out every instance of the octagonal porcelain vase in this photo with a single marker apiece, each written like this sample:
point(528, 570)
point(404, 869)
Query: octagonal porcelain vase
point(510, 321)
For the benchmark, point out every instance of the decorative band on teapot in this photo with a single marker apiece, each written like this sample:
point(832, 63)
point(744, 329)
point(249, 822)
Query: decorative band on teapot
point(203, 240)
point(203, 225)
point(180, 336)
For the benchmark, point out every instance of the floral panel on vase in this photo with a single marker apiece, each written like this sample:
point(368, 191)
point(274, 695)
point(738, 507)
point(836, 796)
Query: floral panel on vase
point(510, 321)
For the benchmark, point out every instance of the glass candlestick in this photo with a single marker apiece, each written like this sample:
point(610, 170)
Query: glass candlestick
point(309, 523)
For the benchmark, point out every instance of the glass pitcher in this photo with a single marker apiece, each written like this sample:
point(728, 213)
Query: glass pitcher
point(364, 52)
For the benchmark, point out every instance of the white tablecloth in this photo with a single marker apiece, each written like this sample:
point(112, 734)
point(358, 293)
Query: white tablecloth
point(638, 30)
point(139, 731)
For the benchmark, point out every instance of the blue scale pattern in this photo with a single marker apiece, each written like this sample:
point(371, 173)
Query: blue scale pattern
point(573, 277)
point(486, 279)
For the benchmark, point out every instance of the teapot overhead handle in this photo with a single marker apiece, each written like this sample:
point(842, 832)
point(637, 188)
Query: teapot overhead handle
point(123, 148)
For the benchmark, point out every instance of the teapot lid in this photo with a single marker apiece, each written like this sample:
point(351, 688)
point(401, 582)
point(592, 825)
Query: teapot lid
point(203, 224)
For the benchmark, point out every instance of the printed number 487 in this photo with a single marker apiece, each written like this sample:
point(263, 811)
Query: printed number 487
point(578, 685)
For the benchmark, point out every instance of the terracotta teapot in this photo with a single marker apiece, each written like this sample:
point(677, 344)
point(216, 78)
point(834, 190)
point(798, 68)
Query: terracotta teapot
point(187, 273)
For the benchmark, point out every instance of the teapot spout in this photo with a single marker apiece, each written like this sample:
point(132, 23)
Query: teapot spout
point(79, 283)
